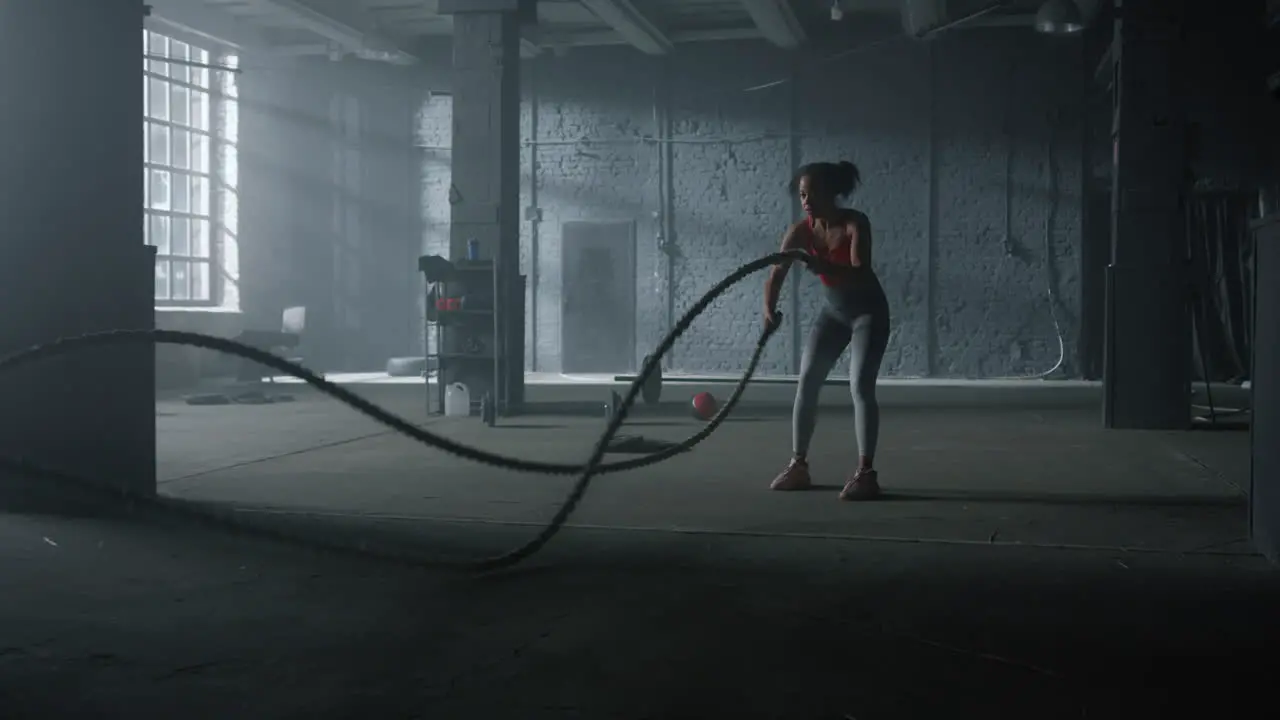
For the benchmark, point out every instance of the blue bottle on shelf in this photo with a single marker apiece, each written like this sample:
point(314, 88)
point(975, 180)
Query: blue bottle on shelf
point(473, 250)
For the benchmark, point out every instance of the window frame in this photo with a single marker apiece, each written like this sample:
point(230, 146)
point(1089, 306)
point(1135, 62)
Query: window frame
point(212, 174)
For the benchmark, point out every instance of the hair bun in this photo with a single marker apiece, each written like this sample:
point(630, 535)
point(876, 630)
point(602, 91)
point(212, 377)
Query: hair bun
point(849, 177)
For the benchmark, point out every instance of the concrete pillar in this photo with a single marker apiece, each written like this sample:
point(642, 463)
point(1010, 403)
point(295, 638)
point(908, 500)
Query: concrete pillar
point(1148, 345)
point(72, 255)
point(485, 193)
point(485, 196)
point(1264, 487)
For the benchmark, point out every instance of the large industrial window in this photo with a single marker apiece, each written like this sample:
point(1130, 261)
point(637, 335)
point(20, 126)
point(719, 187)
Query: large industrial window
point(190, 111)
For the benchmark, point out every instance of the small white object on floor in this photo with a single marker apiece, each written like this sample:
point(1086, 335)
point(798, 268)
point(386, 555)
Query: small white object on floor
point(457, 400)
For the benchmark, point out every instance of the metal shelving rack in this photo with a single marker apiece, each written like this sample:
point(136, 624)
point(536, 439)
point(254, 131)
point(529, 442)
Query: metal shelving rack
point(465, 338)
point(470, 342)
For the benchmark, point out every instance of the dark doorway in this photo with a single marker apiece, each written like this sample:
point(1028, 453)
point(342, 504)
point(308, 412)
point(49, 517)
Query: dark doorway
point(598, 315)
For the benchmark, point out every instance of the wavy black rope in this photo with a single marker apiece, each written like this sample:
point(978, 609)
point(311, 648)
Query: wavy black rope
point(595, 464)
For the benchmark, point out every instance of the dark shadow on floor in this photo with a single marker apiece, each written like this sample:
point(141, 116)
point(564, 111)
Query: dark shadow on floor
point(632, 422)
point(1085, 499)
point(154, 620)
point(639, 445)
point(1082, 499)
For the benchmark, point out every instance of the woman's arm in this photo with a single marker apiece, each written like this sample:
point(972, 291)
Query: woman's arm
point(859, 229)
point(773, 286)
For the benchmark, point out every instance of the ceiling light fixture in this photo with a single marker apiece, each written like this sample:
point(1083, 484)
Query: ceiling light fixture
point(1059, 17)
point(836, 13)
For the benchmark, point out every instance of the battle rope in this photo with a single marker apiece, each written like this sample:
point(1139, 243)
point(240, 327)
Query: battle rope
point(595, 464)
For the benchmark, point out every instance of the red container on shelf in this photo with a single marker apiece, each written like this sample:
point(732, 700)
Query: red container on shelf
point(448, 304)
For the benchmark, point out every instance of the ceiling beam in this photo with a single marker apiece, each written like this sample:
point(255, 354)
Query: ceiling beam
point(351, 29)
point(777, 21)
point(625, 20)
point(200, 25)
point(559, 41)
point(305, 50)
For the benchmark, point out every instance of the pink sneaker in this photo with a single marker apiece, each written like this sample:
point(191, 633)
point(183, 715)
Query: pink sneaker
point(795, 477)
point(863, 485)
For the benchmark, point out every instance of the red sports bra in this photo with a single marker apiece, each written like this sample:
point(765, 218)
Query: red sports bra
point(839, 255)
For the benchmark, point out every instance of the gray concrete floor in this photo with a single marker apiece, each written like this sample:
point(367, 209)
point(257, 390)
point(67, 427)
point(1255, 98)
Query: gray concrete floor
point(995, 475)
point(1024, 564)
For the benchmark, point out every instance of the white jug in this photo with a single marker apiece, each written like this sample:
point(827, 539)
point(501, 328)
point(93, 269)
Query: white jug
point(457, 401)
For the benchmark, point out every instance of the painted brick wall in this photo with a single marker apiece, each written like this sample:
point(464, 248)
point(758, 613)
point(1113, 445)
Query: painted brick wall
point(970, 152)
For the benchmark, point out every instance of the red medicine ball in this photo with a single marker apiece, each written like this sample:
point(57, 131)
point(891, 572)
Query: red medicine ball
point(704, 406)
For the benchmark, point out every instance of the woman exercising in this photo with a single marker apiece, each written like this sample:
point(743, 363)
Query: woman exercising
point(856, 313)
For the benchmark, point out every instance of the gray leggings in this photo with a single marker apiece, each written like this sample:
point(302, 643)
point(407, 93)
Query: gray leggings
point(843, 322)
